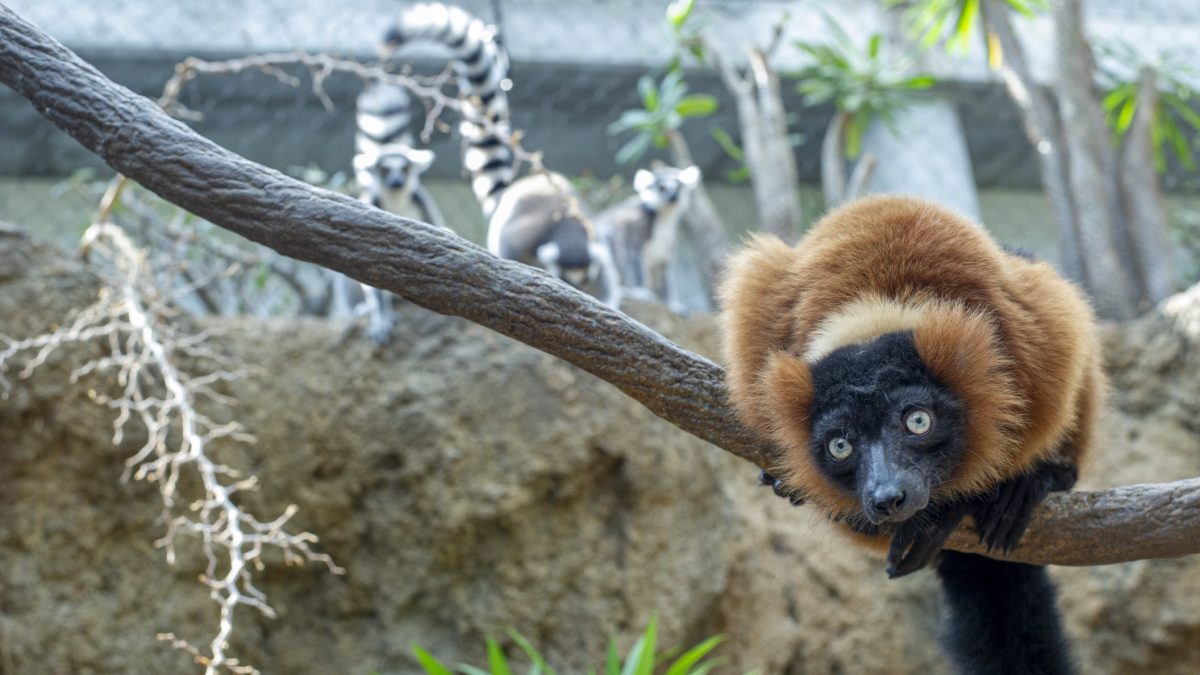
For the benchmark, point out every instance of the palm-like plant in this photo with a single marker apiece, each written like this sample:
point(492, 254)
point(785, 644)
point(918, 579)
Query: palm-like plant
point(864, 84)
point(1173, 118)
point(664, 108)
point(955, 20)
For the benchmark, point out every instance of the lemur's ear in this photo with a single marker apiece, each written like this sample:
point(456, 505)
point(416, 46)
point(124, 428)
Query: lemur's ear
point(421, 159)
point(690, 175)
point(547, 254)
point(642, 180)
point(363, 161)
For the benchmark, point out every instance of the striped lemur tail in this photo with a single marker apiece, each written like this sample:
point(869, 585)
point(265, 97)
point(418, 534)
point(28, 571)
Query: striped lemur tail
point(538, 220)
point(482, 69)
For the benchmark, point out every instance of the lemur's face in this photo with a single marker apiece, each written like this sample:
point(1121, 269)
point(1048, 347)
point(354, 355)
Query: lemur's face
point(572, 272)
point(883, 429)
point(397, 167)
point(665, 185)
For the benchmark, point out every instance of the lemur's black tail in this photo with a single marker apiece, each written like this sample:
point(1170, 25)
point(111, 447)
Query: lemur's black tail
point(1003, 617)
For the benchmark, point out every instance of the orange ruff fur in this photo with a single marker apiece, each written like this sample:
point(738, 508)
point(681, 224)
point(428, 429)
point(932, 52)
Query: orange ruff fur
point(1015, 340)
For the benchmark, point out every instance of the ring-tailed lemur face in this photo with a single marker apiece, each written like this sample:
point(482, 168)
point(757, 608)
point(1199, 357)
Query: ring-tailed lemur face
point(392, 167)
point(574, 273)
point(665, 185)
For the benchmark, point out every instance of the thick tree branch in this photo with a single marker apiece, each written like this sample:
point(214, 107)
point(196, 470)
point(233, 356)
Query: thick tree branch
point(447, 274)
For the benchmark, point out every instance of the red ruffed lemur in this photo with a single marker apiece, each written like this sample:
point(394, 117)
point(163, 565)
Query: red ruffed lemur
point(912, 372)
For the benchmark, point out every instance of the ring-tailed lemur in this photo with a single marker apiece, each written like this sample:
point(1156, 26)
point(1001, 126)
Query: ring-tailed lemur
point(642, 229)
point(537, 219)
point(388, 170)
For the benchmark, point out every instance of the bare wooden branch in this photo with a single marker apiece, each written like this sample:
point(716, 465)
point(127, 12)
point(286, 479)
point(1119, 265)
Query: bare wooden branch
point(447, 274)
point(763, 124)
point(1133, 522)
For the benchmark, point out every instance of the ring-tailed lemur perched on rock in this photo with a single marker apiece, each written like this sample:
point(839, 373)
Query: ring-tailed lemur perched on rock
point(537, 219)
point(388, 170)
point(642, 229)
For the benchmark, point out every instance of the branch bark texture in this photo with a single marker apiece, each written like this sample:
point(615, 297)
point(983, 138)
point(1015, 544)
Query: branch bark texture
point(449, 275)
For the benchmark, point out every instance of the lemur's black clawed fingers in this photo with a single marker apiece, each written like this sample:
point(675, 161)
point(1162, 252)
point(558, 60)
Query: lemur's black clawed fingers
point(918, 541)
point(1001, 521)
point(991, 514)
point(901, 542)
point(780, 490)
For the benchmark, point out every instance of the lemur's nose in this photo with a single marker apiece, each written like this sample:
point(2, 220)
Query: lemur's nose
point(888, 499)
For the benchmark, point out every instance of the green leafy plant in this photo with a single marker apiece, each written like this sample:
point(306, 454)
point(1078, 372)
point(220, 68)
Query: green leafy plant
point(1174, 117)
point(863, 84)
point(664, 108)
point(685, 33)
point(955, 20)
point(642, 658)
point(742, 173)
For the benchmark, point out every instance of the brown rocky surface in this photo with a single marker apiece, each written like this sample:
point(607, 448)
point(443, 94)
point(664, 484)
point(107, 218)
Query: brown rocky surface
point(470, 484)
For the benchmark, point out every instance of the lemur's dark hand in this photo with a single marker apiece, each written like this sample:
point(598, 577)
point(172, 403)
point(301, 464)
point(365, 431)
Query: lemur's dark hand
point(780, 489)
point(916, 541)
point(1004, 514)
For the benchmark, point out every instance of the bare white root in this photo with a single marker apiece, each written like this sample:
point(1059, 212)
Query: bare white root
point(132, 317)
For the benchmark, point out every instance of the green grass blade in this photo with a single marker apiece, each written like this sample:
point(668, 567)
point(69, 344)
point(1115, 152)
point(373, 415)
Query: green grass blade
point(496, 660)
point(634, 657)
point(612, 665)
point(708, 665)
point(431, 665)
point(534, 656)
point(683, 665)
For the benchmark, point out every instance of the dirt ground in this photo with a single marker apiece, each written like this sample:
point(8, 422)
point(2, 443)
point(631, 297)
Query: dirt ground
point(470, 484)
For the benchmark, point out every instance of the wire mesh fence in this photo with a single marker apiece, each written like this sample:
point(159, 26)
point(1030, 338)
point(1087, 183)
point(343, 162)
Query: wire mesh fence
point(963, 139)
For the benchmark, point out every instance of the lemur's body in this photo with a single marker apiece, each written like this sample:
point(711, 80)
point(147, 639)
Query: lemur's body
point(642, 230)
point(914, 373)
point(537, 219)
point(388, 170)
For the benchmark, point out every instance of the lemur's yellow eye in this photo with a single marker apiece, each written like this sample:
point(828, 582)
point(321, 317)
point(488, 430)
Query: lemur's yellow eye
point(839, 448)
point(918, 421)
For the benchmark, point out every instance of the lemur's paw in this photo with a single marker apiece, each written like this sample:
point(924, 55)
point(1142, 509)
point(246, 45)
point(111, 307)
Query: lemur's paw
point(780, 489)
point(379, 332)
point(1003, 517)
point(919, 539)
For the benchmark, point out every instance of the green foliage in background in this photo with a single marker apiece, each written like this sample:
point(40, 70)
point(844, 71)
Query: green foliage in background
point(642, 659)
point(864, 84)
point(1175, 122)
point(665, 106)
point(955, 20)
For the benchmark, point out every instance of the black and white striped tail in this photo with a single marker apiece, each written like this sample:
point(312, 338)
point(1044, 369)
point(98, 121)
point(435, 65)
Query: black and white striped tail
point(481, 65)
point(383, 116)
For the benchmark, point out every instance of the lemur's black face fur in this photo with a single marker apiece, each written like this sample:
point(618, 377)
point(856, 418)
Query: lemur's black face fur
point(883, 428)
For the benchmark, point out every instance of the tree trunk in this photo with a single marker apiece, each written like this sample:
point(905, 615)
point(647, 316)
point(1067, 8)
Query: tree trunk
point(1090, 161)
point(923, 153)
point(1146, 214)
point(702, 219)
point(769, 155)
point(1043, 128)
point(833, 161)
